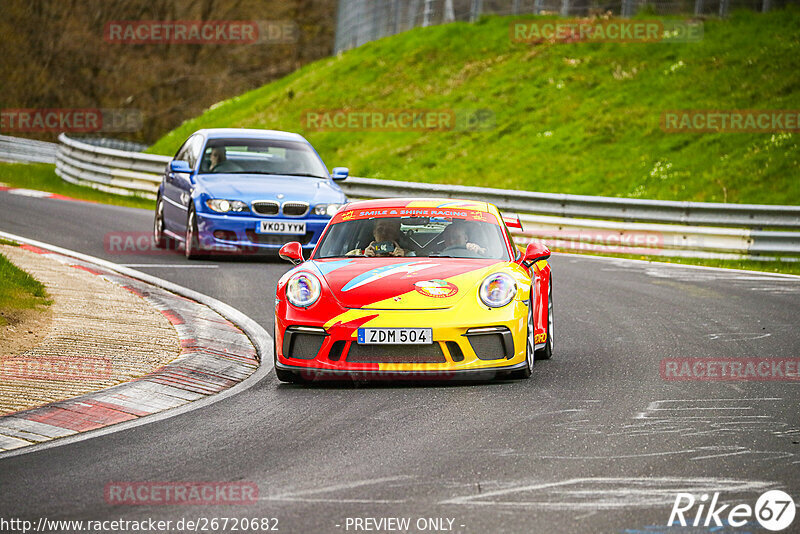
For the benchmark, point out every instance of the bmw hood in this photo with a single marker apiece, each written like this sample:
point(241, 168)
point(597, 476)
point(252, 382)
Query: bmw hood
point(250, 187)
point(401, 283)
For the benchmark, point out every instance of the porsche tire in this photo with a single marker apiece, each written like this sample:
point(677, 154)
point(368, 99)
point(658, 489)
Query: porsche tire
point(546, 352)
point(283, 375)
point(287, 376)
point(526, 371)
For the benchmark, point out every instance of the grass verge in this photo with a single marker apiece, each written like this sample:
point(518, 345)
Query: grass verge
point(42, 177)
point(18, 291)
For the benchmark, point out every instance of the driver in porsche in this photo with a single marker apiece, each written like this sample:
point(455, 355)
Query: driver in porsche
point(457, 236)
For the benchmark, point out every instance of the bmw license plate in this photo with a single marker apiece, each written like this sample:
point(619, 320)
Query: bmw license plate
point(281, 227)
point(395, 336)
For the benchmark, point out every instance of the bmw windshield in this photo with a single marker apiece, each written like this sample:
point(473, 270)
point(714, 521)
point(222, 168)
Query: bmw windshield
point(261, 156)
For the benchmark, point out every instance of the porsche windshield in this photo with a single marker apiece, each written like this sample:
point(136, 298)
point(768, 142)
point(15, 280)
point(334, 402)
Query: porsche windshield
point(414, 236)
point(261, 156)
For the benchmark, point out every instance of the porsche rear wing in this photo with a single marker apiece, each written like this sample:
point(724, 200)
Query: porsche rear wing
point(513, 221)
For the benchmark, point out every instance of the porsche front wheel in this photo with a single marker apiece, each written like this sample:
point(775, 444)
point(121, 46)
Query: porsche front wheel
point(282, 375)
point(526, 371)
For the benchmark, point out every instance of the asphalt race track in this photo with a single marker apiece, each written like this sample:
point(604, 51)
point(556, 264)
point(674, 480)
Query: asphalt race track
point(595, 441)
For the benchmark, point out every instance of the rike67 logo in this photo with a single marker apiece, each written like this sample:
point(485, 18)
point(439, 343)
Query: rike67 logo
point(774, 510)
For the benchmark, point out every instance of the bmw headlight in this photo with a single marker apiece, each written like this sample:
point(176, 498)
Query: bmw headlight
point(328, 210)
point(220, 205)
point(303, 290)
point(497, 290)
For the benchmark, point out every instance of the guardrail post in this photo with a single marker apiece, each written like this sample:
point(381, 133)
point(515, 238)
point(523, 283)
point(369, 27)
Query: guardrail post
point(413, 6)
point(449, 14)
point(698, 7)
point(627, 8)
point(475, 10)
point(766, 6)
point(565, 8)
point(396, 17)
point(537, 6)
point(724, 6)
point(426, 14)
point(377, 30)
point(515, 7)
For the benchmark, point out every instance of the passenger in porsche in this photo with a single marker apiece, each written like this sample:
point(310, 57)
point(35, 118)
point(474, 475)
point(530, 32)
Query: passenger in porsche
point(386, 233)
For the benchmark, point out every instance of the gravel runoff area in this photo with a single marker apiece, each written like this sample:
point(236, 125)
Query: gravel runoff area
point(100, 335)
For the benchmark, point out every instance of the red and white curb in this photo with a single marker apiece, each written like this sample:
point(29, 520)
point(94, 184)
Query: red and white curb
point(37, 194)
point(216, 355)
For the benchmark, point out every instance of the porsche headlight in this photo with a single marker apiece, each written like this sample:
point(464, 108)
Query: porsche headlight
point(497, 290)
point(302, 290)
point(221, 205)
point(328, 210)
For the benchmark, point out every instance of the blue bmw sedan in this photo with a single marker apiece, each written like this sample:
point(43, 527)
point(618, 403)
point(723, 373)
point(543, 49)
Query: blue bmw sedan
point(244, 191)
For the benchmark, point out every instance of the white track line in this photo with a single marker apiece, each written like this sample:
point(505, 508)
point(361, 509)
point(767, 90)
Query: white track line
point(677, 265)
point(169, 265)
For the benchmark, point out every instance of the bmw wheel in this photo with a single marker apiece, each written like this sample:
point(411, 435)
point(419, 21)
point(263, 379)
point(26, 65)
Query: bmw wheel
point(159, 238)
point(192, 243)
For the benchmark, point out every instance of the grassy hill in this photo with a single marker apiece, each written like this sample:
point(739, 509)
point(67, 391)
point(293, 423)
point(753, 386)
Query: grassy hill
point(577, 118)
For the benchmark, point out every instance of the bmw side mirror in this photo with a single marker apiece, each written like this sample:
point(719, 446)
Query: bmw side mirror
point(292, 252)
point(179, 166)
point(535, 252)
point(340, 173)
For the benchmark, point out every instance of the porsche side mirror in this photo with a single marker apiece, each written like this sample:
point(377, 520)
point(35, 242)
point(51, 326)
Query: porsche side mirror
point(535, 252)
point(340, 173)
point(292, 252)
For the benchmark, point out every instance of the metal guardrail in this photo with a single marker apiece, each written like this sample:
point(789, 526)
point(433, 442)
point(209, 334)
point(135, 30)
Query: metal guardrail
point(117, 144)
point(566, 222)
point(109, 169)
point(19, 149)
point(563, 205)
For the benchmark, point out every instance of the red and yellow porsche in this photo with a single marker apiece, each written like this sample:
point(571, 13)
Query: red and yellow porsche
point(414, 288)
